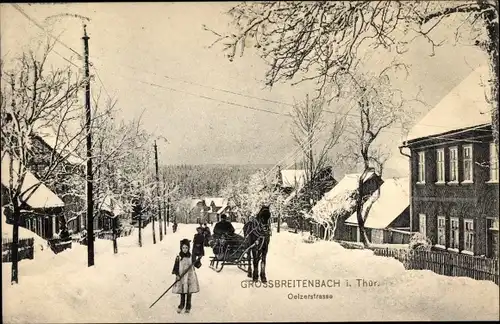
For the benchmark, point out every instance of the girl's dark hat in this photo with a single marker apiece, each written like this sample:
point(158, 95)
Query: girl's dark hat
point(185, 242)
point(199, 228)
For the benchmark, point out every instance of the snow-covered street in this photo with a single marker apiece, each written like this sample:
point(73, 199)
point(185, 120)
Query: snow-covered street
point(120, 288)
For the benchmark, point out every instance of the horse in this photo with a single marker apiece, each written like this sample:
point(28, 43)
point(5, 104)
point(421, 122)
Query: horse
point(258, 235)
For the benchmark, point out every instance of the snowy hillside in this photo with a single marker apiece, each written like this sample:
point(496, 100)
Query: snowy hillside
point(120, 288)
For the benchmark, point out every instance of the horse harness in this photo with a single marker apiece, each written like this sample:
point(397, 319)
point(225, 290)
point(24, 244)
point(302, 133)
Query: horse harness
point(262, 231)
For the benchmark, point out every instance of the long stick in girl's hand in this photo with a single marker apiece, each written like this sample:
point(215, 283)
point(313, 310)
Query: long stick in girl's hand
point(180, 277)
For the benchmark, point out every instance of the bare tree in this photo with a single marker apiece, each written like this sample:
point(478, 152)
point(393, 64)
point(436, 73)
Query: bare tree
point(380, 106)
point(322, 41)
point(36, 98)
point(310, 131)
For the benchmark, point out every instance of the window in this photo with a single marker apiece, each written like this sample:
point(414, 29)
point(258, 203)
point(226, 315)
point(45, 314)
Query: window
point(454, 233)
point(441, 231)
point(440, 165)
point(421, 167)
point(468, 166)
point(493, 163)
point(422, 226)
point(453, 164)
point(469, 235)
point(490, 245)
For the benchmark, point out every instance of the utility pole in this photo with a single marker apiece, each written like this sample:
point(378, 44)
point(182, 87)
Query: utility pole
point(90, 197)
point(141, 202)
point(158, 192)
point(140, 229)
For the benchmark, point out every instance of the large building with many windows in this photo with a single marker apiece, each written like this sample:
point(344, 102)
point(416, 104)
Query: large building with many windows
point(454, 172)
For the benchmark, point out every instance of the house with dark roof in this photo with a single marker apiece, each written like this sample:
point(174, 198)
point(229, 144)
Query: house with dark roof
point(40, 209)
point(294, 185)
point(454, 171)
point(69, 166)
point(198, 210)
point(340, 200)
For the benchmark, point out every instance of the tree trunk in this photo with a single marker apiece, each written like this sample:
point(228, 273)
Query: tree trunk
point(160, 221)
point(359, 209)
point(15, 241)
point(165, 217)
point(334, 228)
point(153, 228)
point(115, 234)
point(491, 20)
point(140, 229)
point(168, 210)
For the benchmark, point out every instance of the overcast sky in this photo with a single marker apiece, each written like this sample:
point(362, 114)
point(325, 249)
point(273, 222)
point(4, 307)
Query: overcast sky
point(134, 44)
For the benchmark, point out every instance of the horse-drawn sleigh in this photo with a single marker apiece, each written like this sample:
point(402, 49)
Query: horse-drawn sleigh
point(246, 251)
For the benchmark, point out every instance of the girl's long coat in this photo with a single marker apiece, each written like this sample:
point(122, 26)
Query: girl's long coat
point(198, 242)
point(189, 282)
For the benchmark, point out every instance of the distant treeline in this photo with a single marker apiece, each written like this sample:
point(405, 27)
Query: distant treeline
point(206, 180)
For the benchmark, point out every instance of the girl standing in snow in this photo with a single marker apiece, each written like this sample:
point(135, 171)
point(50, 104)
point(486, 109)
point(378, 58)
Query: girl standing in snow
point(187, 281)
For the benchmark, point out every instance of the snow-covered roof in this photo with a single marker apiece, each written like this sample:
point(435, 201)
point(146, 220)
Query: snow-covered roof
point(345, 187)
point(464, 107)
point(393, 200)
point(39, 195)
point(194, 202)
point(293, 178)
point(49, 135)
point(222, 209)
point(219, 202)
point(110, 205)
point(338, 197)
point(23, 233)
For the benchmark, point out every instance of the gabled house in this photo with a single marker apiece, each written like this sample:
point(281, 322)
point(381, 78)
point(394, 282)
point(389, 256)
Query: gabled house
point(304, 196)
point(41, 208)
point(109, 209)
point(323, 182)
point(388, 220)
point(45, 142)
point(218, 206)
point(454, 172)
point(290, 180)
point(340, 200)
point(198, 210)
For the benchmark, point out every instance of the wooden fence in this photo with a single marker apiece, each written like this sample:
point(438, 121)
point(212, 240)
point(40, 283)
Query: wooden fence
point(108, 235)
point(26, 249)
point(448, 264)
